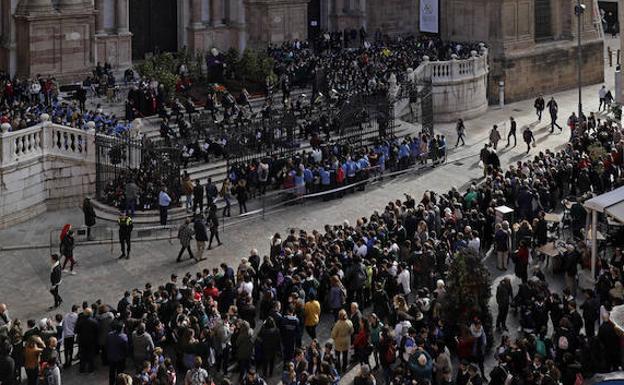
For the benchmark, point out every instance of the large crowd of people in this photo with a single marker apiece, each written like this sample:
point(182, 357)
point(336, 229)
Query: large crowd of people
point(23, 101)
point(382, 282)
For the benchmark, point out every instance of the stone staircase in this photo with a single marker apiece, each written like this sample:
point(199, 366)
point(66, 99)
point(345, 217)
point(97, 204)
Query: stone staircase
point(216, 170)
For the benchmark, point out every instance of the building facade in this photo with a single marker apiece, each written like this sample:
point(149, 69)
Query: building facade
point(532, 43)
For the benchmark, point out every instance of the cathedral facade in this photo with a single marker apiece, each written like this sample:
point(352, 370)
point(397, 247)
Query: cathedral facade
point(532, 43)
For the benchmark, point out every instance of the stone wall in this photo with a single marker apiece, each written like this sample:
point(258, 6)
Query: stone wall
point(392, 16)
point(45, 167)
point(545, 69)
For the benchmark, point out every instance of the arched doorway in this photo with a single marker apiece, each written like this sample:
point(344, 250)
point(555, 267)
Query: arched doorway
point(154, 27)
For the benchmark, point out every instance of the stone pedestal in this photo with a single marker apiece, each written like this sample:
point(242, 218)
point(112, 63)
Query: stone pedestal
point(276, 20)
point(54, 43)
point(115, 49)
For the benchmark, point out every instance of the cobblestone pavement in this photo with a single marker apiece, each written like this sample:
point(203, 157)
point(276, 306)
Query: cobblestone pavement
point(24, 273)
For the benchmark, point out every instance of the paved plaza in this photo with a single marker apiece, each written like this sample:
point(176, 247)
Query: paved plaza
point(24, 270)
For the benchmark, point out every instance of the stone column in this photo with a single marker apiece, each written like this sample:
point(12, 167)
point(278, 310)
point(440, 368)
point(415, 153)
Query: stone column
point(216, 13)
point(340, 6)
point(99, 19)
point(121, 16)
point(196, 13)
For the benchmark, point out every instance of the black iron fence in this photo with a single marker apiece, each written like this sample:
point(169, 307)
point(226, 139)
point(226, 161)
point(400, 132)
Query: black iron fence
point(149, 165)
point(356, 120)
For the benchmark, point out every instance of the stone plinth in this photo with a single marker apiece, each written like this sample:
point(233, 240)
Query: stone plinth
point(115, 49)
point(273, 21)
point(58, 44)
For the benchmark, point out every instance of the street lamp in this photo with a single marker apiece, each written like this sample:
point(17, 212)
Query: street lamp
point(579, 9)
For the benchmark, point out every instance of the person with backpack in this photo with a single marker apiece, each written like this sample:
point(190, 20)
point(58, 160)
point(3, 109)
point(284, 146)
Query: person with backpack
point(197, 375)
point(52, 373)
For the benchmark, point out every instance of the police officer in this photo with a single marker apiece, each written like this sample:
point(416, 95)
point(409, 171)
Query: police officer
point(125, 232)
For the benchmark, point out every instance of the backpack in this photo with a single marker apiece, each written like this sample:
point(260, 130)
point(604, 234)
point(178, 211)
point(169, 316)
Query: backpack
point(47, 375)
point(540, 348)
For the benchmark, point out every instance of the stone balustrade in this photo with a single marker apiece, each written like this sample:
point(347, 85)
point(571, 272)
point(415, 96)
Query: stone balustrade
point(46, 139)
point(46, 166)
point(459, 86)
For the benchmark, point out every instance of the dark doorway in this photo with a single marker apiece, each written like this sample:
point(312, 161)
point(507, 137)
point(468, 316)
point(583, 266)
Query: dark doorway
point(609, 13)
point(314, 19)
point(154, 27)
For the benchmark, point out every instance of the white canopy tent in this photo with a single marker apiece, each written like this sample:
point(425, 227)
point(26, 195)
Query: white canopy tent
point(611, 203)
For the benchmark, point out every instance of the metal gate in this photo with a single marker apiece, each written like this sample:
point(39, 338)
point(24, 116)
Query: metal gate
point(149, 165)
point(420, 99)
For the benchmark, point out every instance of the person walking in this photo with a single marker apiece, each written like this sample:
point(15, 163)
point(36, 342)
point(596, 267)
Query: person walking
point(213, 223)
point(185, 235)
point(528, 137)
point(89, 216)
point(125, 233)
point(539, 107)
point(66, 249)
point(200, 236)
point(198, 197)
point(512, 131)
point(495, 136)
point(56, 277)
point(602, 93)
point(553, 109)
point(461, 132)
point(164, 200)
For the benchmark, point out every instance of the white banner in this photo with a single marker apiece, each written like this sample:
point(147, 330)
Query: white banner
point(429, 16)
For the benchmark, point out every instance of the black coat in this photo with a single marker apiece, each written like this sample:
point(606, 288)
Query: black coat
point(89, 215)
point(56, 274)
point(87, 330)
point(270, 338)
point(200, 231)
